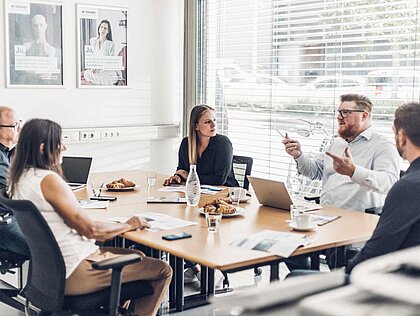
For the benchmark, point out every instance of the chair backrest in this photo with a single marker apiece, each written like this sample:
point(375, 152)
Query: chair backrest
point(47, 271)
point(242, 167)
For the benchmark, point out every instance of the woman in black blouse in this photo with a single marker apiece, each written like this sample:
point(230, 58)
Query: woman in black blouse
point(211, 152)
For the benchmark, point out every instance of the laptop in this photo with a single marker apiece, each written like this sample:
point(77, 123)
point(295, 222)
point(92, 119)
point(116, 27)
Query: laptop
point(274, 194)
point(76, 171)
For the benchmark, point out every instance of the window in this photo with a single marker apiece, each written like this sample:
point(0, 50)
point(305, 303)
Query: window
point(309, 52)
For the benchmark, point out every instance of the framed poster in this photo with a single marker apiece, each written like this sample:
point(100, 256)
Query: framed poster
point(34, 41)
point(102, 38)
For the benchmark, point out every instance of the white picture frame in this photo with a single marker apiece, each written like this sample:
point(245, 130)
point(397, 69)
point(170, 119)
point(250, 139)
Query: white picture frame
point(102, 46)
point(34, 44)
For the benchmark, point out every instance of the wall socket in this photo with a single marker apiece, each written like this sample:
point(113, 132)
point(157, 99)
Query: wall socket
point(89, 135)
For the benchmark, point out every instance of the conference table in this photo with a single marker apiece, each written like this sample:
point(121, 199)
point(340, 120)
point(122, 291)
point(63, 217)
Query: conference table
point(213, 250)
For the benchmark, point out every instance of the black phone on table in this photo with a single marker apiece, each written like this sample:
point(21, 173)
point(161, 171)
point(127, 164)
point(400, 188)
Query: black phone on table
point(176, 236)
point(104, 198)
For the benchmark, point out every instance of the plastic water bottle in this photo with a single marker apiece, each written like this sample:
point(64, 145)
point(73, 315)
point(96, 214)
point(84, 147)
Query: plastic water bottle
point(192, 187)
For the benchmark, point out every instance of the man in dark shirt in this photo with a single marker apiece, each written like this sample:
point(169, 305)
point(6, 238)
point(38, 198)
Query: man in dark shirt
point(399, 225)
point(11, 237)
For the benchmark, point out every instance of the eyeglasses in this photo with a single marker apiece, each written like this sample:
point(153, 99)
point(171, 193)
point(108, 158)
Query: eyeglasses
point(15, 126)
point(345, 113)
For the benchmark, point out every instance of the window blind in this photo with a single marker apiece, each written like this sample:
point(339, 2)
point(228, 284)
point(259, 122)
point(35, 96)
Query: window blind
point(282, 64)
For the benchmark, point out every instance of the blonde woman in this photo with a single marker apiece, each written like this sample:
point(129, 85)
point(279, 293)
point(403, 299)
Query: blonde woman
point(211, 152)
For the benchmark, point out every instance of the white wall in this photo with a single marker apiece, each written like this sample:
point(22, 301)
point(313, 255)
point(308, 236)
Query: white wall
point(154, 95)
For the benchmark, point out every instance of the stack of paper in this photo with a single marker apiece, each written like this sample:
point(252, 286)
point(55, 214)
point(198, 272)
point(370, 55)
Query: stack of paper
point(93, 204)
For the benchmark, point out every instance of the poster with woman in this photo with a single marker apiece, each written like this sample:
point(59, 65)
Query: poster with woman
point(34, 37)
point(103, 46)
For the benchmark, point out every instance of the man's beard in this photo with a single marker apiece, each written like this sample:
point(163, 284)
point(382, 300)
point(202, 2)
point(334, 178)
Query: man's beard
point(348, 132)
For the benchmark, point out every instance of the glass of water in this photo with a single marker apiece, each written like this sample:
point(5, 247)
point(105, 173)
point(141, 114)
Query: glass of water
point(213, 221)
point(151, 178)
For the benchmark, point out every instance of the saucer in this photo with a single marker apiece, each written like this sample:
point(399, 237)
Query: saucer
point(302, 229)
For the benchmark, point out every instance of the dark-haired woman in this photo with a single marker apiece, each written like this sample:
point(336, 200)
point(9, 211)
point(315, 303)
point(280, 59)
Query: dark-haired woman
point(35, 175)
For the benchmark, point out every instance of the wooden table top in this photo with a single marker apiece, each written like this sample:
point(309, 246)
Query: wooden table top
point(213, 249)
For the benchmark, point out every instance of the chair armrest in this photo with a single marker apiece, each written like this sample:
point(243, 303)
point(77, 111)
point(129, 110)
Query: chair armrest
point(116, 262)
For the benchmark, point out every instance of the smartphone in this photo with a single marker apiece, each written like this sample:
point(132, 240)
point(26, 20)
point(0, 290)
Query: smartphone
point(104, 198)
point(176, 236)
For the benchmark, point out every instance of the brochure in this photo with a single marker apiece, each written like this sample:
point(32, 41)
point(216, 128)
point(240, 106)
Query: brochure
point(93, 204)
point(279, 243)
point(321, 220)
point(159, 221)
point(205, 189)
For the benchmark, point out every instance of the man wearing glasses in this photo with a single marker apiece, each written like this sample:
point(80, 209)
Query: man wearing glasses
point(359, 167)
point(11, 237)
point(357, 171)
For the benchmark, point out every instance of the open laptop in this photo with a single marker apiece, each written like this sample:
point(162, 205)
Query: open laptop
point(274, 194)
point(76, 171)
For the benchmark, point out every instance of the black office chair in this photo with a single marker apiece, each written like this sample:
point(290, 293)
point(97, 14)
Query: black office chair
point(46, 279)
point(242, 166)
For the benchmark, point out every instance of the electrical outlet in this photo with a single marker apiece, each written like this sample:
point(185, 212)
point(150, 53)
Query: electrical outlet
point(89, 135)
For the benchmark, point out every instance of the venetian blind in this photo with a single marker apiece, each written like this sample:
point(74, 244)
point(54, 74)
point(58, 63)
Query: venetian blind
point(282, 64)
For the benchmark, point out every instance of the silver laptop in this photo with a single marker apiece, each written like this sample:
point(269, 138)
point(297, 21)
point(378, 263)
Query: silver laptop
point(274, 194)
point(76, 171)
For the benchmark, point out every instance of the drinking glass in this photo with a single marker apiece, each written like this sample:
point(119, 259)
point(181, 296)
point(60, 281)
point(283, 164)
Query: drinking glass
point(151, 178)
point(295, 210)
point(213, 221)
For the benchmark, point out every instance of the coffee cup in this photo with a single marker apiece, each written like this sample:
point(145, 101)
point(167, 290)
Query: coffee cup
point(237, 194)
point(303, 220)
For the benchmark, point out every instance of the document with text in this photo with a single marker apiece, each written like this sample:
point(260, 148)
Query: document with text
point(279, 243)
point(159, 221)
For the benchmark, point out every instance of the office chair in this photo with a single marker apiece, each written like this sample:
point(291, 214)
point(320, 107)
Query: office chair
point(242, 166)
point(47, 272)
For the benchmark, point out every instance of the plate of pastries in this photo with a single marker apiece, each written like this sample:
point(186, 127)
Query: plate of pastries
point(122, 184)
point(223, 206)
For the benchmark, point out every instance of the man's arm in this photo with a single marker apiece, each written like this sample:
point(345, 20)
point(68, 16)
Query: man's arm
point(310, 167)
point(399, 213)
point(385, 172)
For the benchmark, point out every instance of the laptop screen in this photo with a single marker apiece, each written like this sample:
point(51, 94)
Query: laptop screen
point(76, 169)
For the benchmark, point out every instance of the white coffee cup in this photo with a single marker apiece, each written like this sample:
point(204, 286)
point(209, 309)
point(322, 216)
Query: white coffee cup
point(237, 194)
point(303, 220)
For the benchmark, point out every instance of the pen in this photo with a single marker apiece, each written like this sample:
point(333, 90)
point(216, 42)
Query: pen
point(100, 189)
point(281, 134)
point(93, 188)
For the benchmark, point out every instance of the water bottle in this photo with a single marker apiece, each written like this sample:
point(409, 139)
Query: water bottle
point(192, 187)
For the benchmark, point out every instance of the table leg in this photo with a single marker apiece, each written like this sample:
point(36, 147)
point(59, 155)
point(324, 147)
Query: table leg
point(204, 280)
point(179, 284)
point(210, 282)
point(274, 271)
point(315, 260)
point(172, 286)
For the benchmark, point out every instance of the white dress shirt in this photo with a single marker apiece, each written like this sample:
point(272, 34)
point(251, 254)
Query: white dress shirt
point(377, 169)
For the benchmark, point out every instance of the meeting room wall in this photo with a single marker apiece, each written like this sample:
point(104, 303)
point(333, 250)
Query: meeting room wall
point(153, 96)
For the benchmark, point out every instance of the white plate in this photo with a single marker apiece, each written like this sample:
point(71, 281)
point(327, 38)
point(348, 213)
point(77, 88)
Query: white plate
point(239, 211)
point(243, 200)
point(302, 229)
point(122, 189)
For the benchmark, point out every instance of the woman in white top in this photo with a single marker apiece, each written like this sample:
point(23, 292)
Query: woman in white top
point(36, 175)
point(103, 45)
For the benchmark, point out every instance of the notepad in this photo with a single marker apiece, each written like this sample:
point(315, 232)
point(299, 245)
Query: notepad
point(167, 199)
point(93, 204)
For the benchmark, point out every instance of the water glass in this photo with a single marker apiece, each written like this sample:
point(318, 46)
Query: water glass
point(151, 178)
point(213, 221)
point(295, 210)
point(236, 194)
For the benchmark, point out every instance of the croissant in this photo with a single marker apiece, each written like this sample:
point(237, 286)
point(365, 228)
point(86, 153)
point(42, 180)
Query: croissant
point(116, 185)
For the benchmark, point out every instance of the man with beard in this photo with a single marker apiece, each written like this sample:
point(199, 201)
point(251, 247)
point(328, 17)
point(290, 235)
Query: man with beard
point(399, 225)
point(360, 167)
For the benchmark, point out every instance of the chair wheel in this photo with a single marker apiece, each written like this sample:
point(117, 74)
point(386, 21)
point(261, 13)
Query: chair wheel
point(257, 271)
